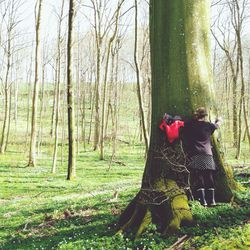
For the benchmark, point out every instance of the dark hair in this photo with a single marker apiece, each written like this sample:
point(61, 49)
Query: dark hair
point(200, 113)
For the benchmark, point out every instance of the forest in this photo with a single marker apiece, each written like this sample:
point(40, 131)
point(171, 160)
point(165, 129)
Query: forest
point(84, 87)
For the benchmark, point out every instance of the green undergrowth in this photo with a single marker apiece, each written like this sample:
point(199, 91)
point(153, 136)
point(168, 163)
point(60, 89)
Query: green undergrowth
point(39, 210)
point(89, 223)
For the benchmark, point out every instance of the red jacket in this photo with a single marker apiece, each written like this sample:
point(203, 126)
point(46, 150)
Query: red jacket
point(172, 131)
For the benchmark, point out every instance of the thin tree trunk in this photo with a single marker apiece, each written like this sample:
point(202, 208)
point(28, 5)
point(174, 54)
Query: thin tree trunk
point(235, 73)
point(83, 107)
point(53, 114)
point(149, 105)
point(114, 110)
point(57, 106)
point(227, 89)
point(139, 94)
point(238, 151)
point(16, 92)
point(97, 101)
point(242, 106)
point(91, 116)
point(28, 106)
point(238, 27)
point(78, 95)
point(98, 42)
point(6, 98)
point(105, 79)
point(9, 119)
point(63, 126)
point(5, 121)
point(40, 132)
point(57, 91)
point(70, 96)
point(33, 137)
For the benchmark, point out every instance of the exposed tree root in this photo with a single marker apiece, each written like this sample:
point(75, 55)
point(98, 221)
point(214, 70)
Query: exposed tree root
point(179, 243)
point(164, 201)
point(165, 204)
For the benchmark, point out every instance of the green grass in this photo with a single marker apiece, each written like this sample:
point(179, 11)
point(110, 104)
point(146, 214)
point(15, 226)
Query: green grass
point(28, 194)
point(39, 210)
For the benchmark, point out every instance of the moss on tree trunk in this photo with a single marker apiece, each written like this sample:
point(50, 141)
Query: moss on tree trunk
point(164, 204)
point(181, 81)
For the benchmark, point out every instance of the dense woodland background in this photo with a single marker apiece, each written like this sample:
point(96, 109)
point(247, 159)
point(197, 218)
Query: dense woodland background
point(108, 99)
point(112, 95)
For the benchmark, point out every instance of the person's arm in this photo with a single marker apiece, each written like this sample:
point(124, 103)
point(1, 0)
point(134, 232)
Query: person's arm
point(218, 122)
point(216, 125)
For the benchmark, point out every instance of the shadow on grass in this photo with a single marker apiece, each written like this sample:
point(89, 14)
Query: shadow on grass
point(222, 216)
point(53, 233)
point(79, 230)
point(7, 168)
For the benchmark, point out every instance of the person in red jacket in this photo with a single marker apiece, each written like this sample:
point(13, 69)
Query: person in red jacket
point(170, 126)
point(196, 135)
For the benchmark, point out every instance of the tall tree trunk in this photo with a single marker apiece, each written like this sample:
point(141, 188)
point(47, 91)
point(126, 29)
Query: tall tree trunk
point(234, 68)
point(33, 137)
point(53, 114)
point(6, 97)
point(16, 92)
point(63, 124)
point(83, 114)
point(29, 73)
point(105, 79)
point(115, 107)
point(97, 97)
point(139, 92)
point(70, 96)
point(227, 90)
point(238, 149)
point(5, 121)
point(9, 118)
point(238, 19)
point(235, 118)
point(92, 99)
point(78, 95)
point(57, 109)
point(181, 71)
point(40, 132)
point(57, 90)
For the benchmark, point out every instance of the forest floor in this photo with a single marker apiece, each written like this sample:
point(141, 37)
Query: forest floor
point(40, 210)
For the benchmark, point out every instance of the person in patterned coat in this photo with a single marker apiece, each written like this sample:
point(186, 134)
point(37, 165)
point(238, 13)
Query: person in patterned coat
point(197, 144)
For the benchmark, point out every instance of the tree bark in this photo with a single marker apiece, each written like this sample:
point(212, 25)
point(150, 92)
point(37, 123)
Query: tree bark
point(234, 68)
point(29, 92)
point(53, 115)
point(9, 118)
point(181, 81)
point(98, 40)
point(139, 92)
point(58, 72)
point(70, 96)
point(83, 112)
point(33, 137)
point(6, 94)
point(114, 98)
point(16, 92)
point(238, 30)
point(106, 77)
point(41, 115)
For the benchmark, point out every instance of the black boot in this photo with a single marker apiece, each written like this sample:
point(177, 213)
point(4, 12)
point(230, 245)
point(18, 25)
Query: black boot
point(189, 194)
point(201, 195)
point(210, 197)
